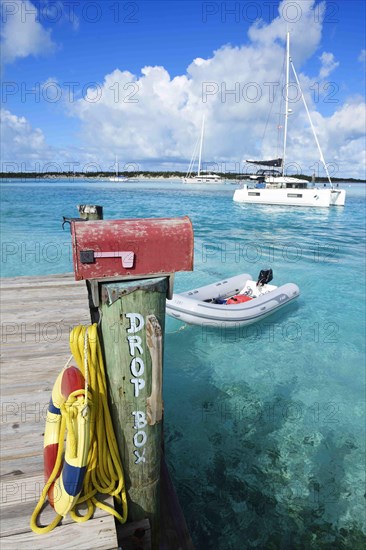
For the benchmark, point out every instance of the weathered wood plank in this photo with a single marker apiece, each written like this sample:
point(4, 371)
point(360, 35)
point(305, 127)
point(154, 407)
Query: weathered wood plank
point(96, 533)
point(38, 314)
point(19, 496)
point(31, 358)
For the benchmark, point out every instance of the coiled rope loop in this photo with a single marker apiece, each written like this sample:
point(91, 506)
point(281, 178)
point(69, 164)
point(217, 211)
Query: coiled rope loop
point(104, 473)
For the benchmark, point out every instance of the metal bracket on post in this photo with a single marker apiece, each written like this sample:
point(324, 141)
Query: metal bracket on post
point(94, 293)
point(170, 286)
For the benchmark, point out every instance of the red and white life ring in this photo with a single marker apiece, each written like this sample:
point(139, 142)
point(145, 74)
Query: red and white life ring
point(68, 404)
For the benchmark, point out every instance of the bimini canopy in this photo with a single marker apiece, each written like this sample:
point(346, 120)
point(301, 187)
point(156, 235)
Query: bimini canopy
point(275, 162)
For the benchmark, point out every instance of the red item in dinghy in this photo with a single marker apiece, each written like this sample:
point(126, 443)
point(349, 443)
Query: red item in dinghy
point(239, 299)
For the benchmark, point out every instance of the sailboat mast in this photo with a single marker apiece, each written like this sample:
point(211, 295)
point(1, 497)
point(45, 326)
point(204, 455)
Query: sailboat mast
point(117, 167)
point(286, 100)
point(200, 151)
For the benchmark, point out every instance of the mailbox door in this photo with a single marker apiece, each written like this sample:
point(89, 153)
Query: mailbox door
point(137, 247)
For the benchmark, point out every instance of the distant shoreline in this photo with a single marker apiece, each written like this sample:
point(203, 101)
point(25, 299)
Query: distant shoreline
point(235, 178)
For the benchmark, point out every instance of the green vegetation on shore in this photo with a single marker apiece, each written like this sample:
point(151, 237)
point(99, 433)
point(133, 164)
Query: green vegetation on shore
point(145, 174)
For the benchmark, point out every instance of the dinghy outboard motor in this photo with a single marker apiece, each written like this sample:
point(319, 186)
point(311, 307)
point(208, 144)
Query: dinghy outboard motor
point(265, 276)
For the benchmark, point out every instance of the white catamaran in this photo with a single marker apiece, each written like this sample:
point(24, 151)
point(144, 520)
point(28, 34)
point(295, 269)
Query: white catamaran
point(276, 188)
point(202, 175)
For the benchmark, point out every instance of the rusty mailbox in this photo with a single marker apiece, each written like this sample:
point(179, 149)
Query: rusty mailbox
point(131, 248)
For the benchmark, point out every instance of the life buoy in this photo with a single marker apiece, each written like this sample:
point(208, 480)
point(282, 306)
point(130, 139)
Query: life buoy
point(67, 406)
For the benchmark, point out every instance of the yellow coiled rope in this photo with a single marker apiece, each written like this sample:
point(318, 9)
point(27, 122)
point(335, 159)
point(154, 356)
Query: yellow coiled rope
point(104, 471)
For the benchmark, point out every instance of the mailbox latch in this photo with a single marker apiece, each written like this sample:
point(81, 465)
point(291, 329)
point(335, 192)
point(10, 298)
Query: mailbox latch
point(89, 257)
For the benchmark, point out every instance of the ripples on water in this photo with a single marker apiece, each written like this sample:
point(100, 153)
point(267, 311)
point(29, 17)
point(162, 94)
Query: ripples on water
point(264, 424)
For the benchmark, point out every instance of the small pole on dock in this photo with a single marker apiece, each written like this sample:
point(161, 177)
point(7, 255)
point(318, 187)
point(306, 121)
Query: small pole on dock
point(129, 268)
point(86, 212)
point(90, 211)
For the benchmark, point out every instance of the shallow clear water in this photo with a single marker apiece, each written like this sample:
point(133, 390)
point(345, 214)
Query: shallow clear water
point(264, 425)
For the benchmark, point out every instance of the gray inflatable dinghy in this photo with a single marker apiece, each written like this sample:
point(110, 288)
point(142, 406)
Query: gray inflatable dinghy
point(236, 301)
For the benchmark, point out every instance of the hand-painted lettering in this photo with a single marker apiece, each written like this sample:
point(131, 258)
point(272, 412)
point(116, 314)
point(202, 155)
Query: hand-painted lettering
point(137, 369)
point(139, 384)
point(134, 342)
point(134, 326)
point(140, 458)
point(139, 439)
point(140, 420)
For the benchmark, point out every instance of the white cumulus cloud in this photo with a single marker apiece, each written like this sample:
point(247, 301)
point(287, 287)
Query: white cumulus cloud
point(303, 19)
point(19, 141)
point(22, 34)
point(328, 64)
point(153, 118)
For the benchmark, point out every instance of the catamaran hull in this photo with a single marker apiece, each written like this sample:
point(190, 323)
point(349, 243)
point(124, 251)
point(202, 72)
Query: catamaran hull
point(291, 197)
point(202, 180)
point(191, 308)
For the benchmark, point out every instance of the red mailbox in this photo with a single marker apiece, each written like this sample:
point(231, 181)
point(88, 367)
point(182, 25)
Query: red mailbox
point(131, 248)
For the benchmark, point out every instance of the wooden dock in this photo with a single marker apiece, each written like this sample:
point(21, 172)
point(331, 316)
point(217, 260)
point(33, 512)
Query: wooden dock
point(37, 315)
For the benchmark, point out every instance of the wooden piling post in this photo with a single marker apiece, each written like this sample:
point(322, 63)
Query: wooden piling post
point(132, 327)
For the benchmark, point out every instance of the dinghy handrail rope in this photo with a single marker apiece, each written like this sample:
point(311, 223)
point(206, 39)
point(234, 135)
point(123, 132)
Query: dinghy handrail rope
point(104, 473)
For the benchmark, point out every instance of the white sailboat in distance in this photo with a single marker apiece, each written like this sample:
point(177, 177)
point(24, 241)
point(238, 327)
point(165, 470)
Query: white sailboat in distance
point(202, 176)
point(118, 178)
point(274, 186)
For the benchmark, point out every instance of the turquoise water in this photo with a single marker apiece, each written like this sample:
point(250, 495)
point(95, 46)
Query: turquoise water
point(264, 425)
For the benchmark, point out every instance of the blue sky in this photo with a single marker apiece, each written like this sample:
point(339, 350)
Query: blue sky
point(56, 48)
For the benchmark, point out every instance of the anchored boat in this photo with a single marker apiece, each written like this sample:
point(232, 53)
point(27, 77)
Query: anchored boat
point(236, 301)
point(276, 196)
point(274, 186)
point(203, 176)
point(118, 178)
